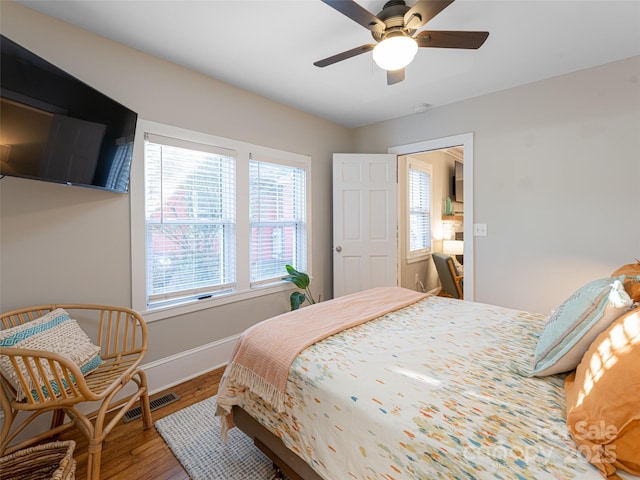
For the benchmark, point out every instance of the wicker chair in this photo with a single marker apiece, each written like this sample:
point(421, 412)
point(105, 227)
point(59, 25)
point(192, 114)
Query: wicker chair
point(122, 338)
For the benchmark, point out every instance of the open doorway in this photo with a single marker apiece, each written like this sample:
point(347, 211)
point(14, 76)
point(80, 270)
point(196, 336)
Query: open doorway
point(442, 155)
point(430, 215)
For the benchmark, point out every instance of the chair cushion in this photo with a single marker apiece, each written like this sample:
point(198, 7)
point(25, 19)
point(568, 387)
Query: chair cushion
point(447, 281)
point(54, 332)
point(577, 322)
point(603, 398)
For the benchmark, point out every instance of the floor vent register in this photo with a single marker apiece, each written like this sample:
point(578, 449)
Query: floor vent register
point(155, 404)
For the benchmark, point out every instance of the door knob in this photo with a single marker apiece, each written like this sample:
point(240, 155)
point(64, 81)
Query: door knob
point(338, 249)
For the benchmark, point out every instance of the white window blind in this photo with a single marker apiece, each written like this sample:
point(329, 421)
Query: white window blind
point(419, 210)
point(277, 220)
point(190, 219)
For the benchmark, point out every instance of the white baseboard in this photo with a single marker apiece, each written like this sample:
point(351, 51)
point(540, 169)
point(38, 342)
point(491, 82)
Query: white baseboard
point(175, 369)
point(161, 374)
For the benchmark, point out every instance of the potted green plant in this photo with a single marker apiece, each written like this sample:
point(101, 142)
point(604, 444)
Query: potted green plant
point(302, 281)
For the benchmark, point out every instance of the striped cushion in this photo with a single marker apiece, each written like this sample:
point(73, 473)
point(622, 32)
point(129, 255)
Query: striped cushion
point(54, 332)
point(577, 322)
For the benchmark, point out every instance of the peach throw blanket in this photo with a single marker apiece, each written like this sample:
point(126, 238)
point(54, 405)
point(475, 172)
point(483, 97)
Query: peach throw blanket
point(264, 353)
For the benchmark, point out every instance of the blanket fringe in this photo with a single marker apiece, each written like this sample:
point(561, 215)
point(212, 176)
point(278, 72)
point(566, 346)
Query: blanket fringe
point(241, 375)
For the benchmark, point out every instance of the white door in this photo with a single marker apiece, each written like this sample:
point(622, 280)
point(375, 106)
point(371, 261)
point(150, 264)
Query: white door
point(365, 250)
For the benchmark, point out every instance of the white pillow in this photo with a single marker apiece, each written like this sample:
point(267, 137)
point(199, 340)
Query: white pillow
point(572, 328)
point(54, 332)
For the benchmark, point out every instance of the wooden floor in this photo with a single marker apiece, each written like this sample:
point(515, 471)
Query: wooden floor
point(130, 452)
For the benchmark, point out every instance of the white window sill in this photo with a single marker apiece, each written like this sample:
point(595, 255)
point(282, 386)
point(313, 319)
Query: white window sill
point(418, 258)
point(160, 313)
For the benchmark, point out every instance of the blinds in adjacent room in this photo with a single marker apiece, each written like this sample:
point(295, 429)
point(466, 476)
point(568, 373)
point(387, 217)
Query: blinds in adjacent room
point(419, 209)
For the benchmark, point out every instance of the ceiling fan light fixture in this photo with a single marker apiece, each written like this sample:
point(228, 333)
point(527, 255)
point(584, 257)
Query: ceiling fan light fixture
point(394, 53)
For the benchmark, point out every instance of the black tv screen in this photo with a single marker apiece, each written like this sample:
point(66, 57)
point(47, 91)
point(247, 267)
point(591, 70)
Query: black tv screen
point(458, 180)
point(54, 127)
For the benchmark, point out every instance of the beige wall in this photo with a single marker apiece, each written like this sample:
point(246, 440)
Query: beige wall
point(68, 244)
point(557, 175)
point(556, 179)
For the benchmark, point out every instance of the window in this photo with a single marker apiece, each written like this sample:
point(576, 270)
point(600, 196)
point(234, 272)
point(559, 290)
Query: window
point(190, 219)
point(216, 221)
point(419, 209)
point(277, 216)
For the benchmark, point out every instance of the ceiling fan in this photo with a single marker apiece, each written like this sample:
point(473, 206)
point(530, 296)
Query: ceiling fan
point(394, 31)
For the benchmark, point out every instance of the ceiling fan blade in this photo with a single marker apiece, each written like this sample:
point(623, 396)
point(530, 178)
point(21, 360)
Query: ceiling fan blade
point(395, 76)
point(423, 11)
point(451, 39)
point(344, 55)
point(358, 14)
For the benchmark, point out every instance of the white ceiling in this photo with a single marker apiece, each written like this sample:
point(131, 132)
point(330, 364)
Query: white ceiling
point(269, 46)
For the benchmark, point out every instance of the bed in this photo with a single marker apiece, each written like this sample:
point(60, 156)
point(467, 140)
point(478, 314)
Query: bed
point(414, 387)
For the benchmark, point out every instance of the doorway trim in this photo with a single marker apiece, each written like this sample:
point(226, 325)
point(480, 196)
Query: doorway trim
point(466, 141)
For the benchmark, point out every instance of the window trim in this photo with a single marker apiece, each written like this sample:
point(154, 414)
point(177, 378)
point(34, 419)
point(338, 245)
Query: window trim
point(421, 166)
point(243, 290)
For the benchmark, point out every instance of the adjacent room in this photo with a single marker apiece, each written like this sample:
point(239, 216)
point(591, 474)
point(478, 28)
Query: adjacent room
point(237, 243)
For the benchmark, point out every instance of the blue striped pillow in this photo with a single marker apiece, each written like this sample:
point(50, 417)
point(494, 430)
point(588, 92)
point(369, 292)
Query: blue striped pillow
point(572, 328)
point(54, 332)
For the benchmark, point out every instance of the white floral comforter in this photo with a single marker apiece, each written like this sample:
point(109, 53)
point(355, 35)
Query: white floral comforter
point(427, 392)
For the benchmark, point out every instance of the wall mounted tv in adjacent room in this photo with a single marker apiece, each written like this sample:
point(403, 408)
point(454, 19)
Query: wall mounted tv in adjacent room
point(54, 127)
point(459, 182)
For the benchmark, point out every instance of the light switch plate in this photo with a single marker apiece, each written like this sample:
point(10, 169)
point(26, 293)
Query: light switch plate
point(479, 229)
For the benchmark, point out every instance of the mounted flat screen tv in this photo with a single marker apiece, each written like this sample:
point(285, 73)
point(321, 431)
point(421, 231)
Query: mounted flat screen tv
point(54, 127)
point(458, 181)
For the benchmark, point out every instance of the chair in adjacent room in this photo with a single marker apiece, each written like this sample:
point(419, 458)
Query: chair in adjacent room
point(49, 364)
point(450, 279)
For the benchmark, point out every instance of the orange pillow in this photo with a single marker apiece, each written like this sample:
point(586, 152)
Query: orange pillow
point(603, 398)
point(630, 285)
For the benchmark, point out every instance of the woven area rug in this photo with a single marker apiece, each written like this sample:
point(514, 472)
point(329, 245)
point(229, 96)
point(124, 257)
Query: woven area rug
point(193, 435)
